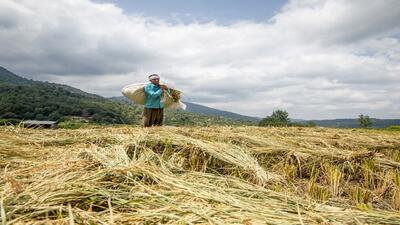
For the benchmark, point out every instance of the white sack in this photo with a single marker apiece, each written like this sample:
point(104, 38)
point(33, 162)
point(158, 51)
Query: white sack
point(135, 92)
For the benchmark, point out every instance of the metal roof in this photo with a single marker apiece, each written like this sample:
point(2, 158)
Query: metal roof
point(39, 122)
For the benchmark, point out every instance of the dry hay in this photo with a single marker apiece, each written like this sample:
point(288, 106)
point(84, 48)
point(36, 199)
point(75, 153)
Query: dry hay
point(197, 175)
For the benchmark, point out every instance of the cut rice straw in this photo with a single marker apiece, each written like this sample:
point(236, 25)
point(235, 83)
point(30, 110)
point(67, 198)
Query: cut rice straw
point(186, 175)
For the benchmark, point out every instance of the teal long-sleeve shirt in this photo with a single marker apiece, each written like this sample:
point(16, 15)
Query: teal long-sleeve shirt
point(153, 96)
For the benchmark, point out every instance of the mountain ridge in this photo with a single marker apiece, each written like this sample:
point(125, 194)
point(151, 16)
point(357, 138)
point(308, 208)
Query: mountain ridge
point(353, 122)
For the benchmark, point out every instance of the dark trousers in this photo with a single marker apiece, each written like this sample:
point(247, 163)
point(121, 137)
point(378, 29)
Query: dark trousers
point(152, 117)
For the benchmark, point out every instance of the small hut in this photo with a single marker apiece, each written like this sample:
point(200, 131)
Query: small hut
point(40, 124)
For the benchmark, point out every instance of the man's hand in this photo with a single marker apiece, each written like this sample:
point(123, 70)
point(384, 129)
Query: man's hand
point(163, 87)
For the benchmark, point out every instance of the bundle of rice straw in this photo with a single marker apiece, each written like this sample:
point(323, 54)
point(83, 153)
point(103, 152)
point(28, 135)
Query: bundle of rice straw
point(171, 98)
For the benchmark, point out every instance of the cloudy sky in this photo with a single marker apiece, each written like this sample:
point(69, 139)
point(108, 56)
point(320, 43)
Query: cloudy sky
point(317, 59)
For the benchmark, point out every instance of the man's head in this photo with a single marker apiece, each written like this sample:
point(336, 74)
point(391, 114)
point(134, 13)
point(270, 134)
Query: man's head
point(154, 79)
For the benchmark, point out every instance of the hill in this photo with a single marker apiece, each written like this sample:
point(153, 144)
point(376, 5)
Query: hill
point(352, 123)
point(199, 175)
point(24, 99)
point(7, 77)
point(196, 108)
point(27, 99)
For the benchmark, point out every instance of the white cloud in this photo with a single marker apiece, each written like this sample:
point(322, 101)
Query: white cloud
point(317, 59)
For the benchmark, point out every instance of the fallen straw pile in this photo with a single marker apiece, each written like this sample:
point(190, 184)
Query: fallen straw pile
point(216, 175)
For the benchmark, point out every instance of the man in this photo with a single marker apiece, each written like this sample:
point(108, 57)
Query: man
point(153, 108)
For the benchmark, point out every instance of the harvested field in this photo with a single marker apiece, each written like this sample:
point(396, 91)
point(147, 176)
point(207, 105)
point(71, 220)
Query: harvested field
point(199, 175)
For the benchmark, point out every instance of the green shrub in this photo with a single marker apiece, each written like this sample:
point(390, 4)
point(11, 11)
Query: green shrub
point(72, 125)
point(393, 128)
point(9, 122)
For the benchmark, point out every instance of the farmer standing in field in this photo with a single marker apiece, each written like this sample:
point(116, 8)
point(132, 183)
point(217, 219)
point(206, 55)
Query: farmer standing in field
point(153, 108)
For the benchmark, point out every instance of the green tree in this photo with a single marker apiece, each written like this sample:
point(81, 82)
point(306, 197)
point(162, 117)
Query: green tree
point(54, 115)
point(40, 117)
point(277, 118)
point(364, 121)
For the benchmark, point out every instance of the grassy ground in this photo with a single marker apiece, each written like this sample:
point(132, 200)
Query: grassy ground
point(199, 175)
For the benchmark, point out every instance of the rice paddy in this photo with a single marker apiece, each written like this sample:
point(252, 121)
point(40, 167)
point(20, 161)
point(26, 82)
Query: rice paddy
point(199, 175)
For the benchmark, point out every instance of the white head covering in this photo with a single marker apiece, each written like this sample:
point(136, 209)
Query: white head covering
point(154, 76)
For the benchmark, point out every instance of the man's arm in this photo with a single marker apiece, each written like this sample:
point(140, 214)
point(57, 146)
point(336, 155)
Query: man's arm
point(163, 87)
